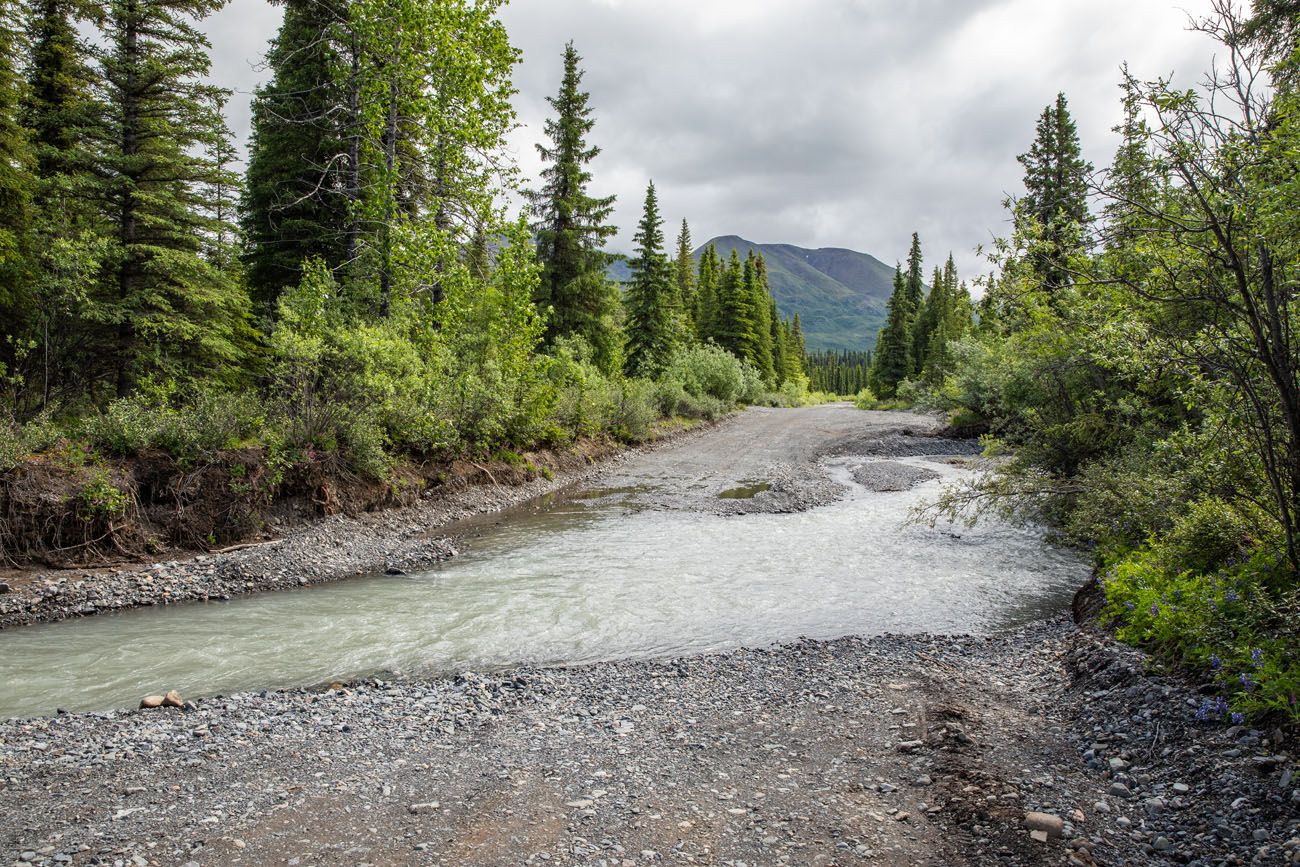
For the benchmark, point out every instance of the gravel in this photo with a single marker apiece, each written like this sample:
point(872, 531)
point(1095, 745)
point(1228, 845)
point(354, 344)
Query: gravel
point(810, 753)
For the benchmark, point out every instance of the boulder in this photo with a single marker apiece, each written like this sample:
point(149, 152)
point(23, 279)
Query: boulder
point(149, 702)
point(173, 699)
point(1052, 826)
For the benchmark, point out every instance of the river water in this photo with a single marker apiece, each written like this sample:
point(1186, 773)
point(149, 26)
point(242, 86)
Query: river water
point(572, 580)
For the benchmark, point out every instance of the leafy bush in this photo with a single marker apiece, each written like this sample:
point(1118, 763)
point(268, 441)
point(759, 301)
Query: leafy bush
point(708, 369)
point(191, 425)
point(866, 400)
point(1227, 622)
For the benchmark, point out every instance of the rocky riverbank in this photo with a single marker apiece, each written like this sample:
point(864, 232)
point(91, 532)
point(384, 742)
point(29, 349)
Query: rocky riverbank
point(894, 750)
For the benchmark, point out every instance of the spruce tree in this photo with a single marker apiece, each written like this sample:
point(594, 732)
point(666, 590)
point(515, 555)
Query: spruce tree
point(760, 302)
point(735, 323)
point(685, 276)
point(893, 358)
point(571, 226)
point(915, 281)
point(1056, 193)
point(17, 182)
point(649, 298)
point(706, 295)
point(295, 203)
point(69, 227)
point(171, 310)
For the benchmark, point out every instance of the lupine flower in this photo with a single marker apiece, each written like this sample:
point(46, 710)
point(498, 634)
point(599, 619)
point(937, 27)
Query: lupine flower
point(1238, 718)
point(1215, 662)
point(1257, 657)
point(1203, 712)
point(1247, 683)
point(1155, 609)
point(1231, 596)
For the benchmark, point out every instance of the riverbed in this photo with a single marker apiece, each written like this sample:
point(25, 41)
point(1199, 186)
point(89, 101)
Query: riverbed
point(626, 567)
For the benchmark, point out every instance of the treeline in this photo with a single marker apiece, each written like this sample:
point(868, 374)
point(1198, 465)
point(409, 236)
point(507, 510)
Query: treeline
point(839, 372)
point(360, 290)
point(1136, 363)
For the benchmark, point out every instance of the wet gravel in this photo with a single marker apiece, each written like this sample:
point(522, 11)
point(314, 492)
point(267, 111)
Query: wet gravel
point(885, 476)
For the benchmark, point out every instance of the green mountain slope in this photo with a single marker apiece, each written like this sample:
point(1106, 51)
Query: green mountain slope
point(840, 295)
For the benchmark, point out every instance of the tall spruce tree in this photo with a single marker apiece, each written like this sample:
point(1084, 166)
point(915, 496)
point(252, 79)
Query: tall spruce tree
point(706, 295)
point(915, 277)
point(1056, 193)
point(171, 310)
point(760, 299)
point(295, 204)
point(571, 225)
point(650, 325)
point(684, 265)
point(71, 232)
point(735, 322)
point(893, 355)
point(17, 181)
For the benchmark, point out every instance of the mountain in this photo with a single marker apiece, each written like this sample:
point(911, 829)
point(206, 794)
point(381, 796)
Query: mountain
point(840, 295)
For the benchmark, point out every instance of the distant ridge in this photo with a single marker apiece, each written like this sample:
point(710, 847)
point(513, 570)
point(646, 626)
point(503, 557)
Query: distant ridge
point(840, 295)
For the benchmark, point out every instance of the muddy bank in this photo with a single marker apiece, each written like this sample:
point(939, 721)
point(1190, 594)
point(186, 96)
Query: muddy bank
point(313, 551)
point(894, 750)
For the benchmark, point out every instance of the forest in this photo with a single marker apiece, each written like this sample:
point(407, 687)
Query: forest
point(356, 297)
point(1133, 362)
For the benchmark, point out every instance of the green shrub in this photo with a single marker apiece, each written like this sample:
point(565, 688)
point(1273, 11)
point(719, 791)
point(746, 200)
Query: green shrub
point(635, 412)
point(1226, 622)
point(708, 369)
point(191, 426)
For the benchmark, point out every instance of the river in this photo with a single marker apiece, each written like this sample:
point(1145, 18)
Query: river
point(577, 578)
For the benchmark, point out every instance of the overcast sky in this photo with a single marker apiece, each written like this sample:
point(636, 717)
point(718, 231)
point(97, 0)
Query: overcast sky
point(821, 123)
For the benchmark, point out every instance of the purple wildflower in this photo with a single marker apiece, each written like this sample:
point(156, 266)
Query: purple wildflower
point(1155, 609)
point(1257, 657)
point(1246, 683)
point(1238, 718)
point(1215, 662)
point(1231, 596)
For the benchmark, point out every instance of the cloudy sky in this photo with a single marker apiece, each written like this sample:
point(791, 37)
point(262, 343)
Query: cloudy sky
point(844, 123)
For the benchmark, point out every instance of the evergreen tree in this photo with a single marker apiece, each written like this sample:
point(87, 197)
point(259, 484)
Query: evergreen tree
point(295, 205)
point(1056, 192)
point(932, 312)
point(706, 296)
point(571, 226)
point(735, 322)
point(915, 277)
point(69, 226)
point(685, 274)
point(17, 182)
point(170, 308)
point(893, 358)
point(760, 299)
point(649, 298)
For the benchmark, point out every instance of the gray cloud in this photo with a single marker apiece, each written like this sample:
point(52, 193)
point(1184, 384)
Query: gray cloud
point(814, 122)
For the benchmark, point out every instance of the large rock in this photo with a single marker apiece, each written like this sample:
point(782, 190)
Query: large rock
point(173, 699)
point(1052, 826)
point(149, 702)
